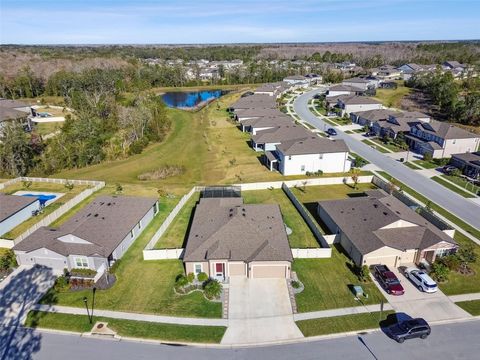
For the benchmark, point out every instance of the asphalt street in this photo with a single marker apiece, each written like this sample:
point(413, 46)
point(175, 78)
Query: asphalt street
point(448, 341)
point(463, 208)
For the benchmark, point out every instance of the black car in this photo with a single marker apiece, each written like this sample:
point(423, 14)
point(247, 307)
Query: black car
point(331, 131)
point(409, 329)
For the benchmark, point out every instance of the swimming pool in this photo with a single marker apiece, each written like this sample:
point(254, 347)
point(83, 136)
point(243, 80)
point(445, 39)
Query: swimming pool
point(43, 198)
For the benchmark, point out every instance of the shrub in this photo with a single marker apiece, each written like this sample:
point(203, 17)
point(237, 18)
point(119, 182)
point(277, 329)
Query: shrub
point(118, 188)
point(181, 281)
point(83, 272)
point(363, 273)
point(450, 261)
point(68, 185)
point(7, 259)
point(439, 271)
point(190, 277)
point(295, 284)
point(61, 284)
point(26, 184)
point(212, 289)
point(427, 156)
point(202, 277)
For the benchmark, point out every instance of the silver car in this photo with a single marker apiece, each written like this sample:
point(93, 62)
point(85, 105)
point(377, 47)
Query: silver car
point(421, 279)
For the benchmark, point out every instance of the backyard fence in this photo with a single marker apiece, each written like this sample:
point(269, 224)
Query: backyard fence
point(162, 254)
point(97, 185)
point(161, 230)
point(312, 253)
point(306, 217)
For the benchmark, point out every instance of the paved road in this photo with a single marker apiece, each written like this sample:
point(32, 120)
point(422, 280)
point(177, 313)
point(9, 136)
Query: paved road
point(453, 341)
point(465, 209)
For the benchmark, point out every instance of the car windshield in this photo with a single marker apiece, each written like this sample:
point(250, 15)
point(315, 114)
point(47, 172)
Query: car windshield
point(393, 281)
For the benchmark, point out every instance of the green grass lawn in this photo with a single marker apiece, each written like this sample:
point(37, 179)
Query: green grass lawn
point(427, 164)
point(462, 183)
point(411, 166)
point(46, 187)
point(392, 97)
point(128, 328)
point(176, 234)
point(449, 186)
point(328, 282)
point(310, 195)
point(144, 286)
point(301, 236)
point(339, 324)
point(390, 146)
point(472, 306)
point(375, 146)
point(47, 128)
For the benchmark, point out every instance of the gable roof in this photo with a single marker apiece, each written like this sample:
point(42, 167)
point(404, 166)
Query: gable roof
point(356, 80)
point(11, 204)
point(255, 101)
point(365, 222)
point(225, 228)
point(312, 145)
point(375, 114)
point(267, 121)
point(103, 224)
point(342, 87)
point(358, 100)
point(282, 133)
point(445, 130)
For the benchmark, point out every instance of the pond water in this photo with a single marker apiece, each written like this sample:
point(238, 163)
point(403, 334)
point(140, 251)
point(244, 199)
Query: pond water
point(190, 99)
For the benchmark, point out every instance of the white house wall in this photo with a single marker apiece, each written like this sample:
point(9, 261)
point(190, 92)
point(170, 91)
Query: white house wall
point(361, 107)
point(18, 218)
point(458, 146)
point(327, 163)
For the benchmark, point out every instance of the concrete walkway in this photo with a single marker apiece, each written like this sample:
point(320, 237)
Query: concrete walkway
point(133, 316)
point(341, 312)
point(465, 297)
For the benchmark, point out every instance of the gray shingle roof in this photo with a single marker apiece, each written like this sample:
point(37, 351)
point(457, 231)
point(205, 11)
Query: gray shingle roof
point(445, 130)
point(357, 100)
point(225, 228)
point(255, 101)
point(282, 133)
point(104, 223)
point(261, 112)
point(376, 114)
point(267, 121)
point(312, 145)
point(362, 220)
point(11, 204)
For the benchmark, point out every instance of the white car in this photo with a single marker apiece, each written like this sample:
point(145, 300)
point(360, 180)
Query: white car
point(421, 279)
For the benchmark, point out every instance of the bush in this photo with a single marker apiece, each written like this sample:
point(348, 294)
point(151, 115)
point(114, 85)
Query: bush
point(450, 261)
point(295, 284)
point(212, 289)
point(427, 156)
point(7, 259)
point(439, 271)
point(363, 273)
point(190, 277)
point(83, 272)
point(202, 277)
point(181, 281)
point(114, 267)
point(61, 284)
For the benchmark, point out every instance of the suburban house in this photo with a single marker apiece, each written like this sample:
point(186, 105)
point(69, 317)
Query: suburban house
point(369, 117)
point(15, 209)
point(337, 90)
point(469, 163)
point(255, 101)
point(297, 81)
point(229, 238)
point(267, 140)
point(353, 103)
point(248, 114)
point(398, 122)
point(13, 110)
point(380, 229)
point(441, 139)
point(276, 89)
point(310, 155)
point(408, 70)
point(386, 72)
point(94, 238)
point(363, 84)
point(265, 123)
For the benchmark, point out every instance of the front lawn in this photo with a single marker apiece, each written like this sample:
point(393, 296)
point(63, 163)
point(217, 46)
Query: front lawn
point(472, 306)
point(392, 97)
point(390, 145)
point(463, 183)
point(375, 146)
point(328, 284)
point(144, 286)
point(339, 324)
point(129, 328)
point(43, 187)
point(452, 187)
point(301, 236)
point(430, 164)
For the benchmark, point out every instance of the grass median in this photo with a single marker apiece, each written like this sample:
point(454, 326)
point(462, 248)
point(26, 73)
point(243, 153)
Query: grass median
point(128, 328)
point(471, 306)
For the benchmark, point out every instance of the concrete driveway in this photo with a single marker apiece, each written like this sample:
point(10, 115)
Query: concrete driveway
point(259, 312)
point(415, 303)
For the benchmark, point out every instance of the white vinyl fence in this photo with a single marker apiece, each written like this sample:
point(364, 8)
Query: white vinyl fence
point(312, 253)
point(162, 254)
point(97, 185)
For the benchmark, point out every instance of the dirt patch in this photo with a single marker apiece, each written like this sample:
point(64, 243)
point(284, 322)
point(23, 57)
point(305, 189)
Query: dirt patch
point(163, 173)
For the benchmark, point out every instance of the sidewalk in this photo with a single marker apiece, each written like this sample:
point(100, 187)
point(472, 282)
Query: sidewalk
point(465, 297)
point(341, 312)
point(133, 316)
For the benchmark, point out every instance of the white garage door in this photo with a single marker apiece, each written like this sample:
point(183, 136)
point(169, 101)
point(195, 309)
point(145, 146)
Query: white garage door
point(268, 271)
point(56, 264)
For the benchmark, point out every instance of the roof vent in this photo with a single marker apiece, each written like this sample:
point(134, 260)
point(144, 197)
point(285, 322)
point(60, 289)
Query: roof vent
point(96, 215)
point(375, 206)
point(385, 213)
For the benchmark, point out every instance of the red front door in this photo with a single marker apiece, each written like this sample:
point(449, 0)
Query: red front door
point(219, 269)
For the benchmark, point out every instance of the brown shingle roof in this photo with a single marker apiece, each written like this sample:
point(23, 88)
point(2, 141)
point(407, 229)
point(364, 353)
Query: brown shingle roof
point(225, 228)
point(104, 223)
point(312, 145)
point(357, 100)
point(282, 133)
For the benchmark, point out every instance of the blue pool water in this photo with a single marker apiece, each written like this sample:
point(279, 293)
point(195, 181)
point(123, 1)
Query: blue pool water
point(190, 99)
point(43, 198)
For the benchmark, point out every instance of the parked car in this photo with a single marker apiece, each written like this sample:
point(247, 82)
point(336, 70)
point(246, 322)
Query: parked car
point(331, 132)
point(388, 280)
point(409, 329)
point(421, 279)
point(447, 169)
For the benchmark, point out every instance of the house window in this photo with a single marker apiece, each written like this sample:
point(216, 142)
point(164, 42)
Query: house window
point(81, 262)
point(320, 156)
point(302, 168)
point(197, 268)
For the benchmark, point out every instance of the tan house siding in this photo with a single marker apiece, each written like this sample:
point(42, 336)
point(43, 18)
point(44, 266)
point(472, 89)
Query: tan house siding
point(266, 269)
point(237, 269)
point(190, 267)
point(390, 256)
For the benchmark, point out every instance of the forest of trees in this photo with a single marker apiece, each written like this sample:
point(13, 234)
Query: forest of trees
point(458, 101)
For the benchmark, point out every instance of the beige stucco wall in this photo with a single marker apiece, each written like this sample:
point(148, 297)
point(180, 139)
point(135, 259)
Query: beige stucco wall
point(237, 268)
point(390, 256)
point(190, 267)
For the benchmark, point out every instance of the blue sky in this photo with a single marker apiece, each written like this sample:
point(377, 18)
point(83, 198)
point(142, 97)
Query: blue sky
point(231, 21)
